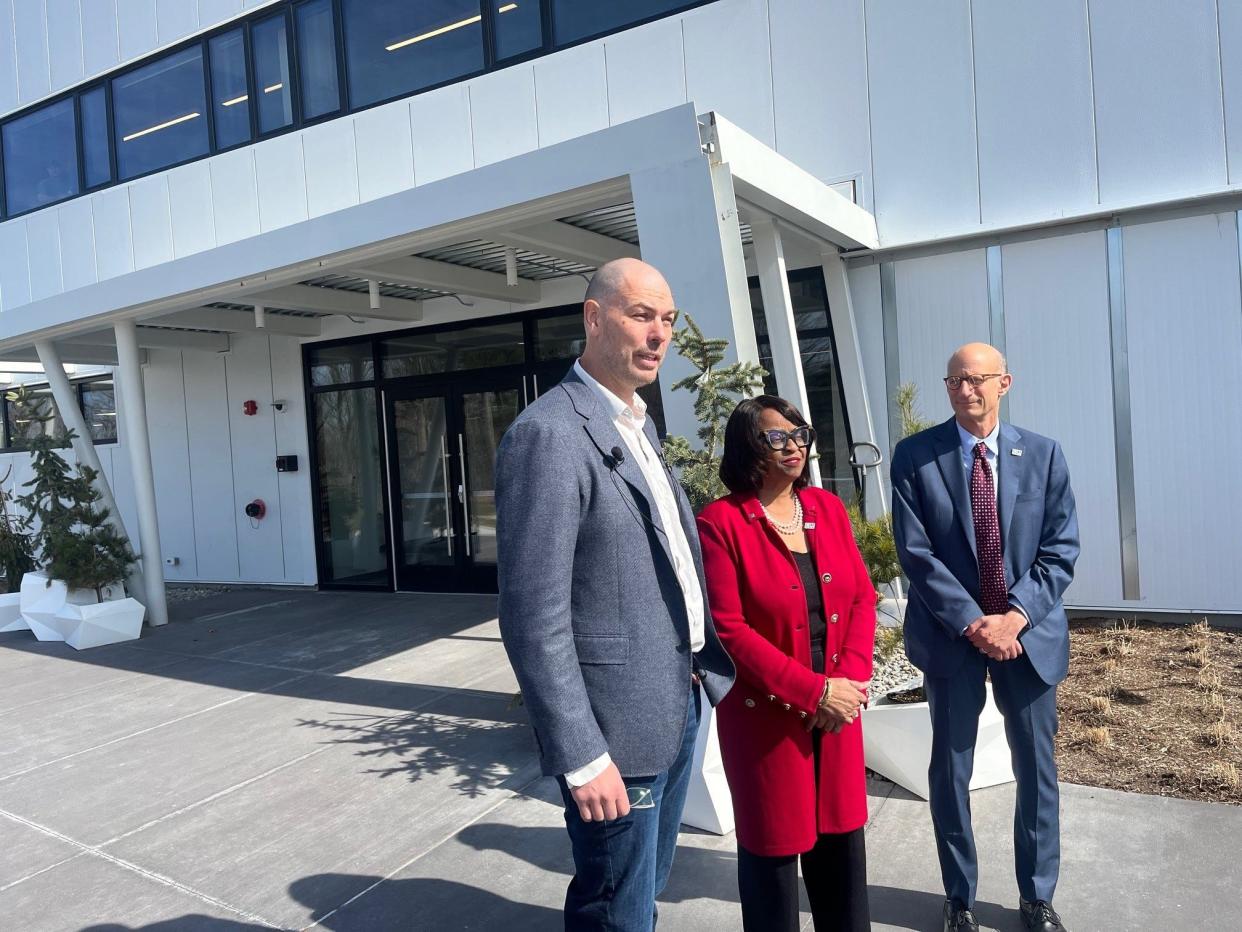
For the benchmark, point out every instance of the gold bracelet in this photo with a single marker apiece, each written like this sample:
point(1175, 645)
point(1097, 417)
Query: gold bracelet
point(827, 694)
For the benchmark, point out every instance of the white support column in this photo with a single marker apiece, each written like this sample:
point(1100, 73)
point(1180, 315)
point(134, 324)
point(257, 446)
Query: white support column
point(688, 227)
point(133, 399)
point(83, 446)
point(779, 314)
point(849, 358)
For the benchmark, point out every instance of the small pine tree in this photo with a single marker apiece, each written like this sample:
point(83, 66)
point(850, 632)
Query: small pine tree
point(717, 392)
point(16, 550)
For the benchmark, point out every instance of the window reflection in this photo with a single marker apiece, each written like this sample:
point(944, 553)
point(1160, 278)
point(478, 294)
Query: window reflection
point(95, 137)
point(271, 74)
point(29, 414)
point(230, 94)
point(519, 27)
point(99, 409)
point(158, 111)
point(317, 58)
point(40, 157)
point(577, 20)
point(393, 47)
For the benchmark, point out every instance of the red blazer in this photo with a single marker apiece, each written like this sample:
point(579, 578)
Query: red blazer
point(755, 592)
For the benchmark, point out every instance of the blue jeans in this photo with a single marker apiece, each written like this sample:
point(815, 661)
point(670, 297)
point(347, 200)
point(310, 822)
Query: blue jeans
point(622, 866)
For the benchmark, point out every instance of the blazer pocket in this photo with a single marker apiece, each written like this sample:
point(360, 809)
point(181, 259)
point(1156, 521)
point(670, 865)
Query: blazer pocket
point(602, 648)
point(1032, 496)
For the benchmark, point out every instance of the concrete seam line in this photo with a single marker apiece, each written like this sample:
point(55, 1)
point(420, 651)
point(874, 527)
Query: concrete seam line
point(512, 794)
point(143, 731)
point(138, 869)
point(43, 870)
point(242, 611)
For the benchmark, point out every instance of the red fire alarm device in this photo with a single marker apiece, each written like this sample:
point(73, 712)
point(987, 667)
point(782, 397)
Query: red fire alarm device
point(256, 510)
point(250, 408)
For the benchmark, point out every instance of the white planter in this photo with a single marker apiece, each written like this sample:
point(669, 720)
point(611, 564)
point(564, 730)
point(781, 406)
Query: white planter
point(11, 612)
point(708, 804)
point(890, 612)
point(101, 622)
point(42, 604)
point(897, 743)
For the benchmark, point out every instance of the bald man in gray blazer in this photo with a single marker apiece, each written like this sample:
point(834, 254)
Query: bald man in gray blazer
point(602, 606)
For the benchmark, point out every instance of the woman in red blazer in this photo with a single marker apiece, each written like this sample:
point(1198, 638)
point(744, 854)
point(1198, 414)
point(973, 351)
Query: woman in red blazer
point(795, 608)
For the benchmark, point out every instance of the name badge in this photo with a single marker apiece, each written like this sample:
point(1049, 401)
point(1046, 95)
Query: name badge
point(809, 526)
point(1015, 452)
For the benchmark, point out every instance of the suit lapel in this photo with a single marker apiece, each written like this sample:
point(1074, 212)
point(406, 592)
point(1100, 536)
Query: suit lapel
point(1009, 466)
point(949, 460)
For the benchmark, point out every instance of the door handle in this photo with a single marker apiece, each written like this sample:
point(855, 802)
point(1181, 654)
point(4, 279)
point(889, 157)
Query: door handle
point(461, 491)
point(448, 504)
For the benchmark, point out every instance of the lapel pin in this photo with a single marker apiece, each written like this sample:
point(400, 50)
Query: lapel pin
point(1015, 452)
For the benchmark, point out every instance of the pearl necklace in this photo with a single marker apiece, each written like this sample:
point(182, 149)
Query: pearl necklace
point(793, 527)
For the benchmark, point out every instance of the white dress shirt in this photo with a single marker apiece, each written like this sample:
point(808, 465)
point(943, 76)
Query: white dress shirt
point(629, 418)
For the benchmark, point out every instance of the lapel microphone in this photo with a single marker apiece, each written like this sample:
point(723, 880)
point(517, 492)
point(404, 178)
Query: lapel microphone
point(618, 457)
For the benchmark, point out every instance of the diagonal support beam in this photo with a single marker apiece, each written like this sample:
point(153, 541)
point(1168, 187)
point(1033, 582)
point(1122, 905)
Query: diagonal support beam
point(335, 301)
point(565, 241)
point(413, 272)
point(228, 320)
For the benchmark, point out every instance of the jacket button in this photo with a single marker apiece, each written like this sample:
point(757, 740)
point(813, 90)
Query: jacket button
point(801, 715)
point(827, 577)
point(833, 618)
point(786, 706)
point(771, 698)
point(750, 703)
point(834, 657)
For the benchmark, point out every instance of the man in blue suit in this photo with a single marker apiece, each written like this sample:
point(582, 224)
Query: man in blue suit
point(987, 535)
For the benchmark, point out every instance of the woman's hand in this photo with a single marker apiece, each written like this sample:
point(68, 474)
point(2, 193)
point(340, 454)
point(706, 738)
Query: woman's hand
point(841, 707)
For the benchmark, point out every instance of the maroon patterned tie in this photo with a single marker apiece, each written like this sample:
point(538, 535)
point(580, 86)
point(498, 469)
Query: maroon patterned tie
point(994, 594)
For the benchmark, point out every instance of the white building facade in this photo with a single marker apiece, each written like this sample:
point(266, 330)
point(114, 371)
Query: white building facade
point(350, 236)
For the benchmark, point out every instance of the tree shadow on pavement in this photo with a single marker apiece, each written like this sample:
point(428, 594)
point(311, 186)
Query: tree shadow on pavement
point(921, 911)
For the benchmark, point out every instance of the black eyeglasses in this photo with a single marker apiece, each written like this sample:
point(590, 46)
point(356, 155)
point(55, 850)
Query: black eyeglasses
point(778, 439)
point(954, 382)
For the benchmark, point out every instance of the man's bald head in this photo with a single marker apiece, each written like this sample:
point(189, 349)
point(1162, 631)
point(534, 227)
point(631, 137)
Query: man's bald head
point(628, 315)
point(614, 279)
point(977, 377)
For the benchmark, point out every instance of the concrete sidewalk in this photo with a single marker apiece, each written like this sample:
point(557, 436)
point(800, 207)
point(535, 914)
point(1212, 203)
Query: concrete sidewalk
point(352, 762)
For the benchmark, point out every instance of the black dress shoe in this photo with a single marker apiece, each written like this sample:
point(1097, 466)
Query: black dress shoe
point(957, 918)
point(1039, 916)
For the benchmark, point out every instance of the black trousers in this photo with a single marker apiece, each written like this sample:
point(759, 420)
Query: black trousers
point(835, 875)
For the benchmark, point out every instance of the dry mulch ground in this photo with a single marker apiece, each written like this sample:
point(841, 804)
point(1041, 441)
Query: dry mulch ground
point(1153, 708)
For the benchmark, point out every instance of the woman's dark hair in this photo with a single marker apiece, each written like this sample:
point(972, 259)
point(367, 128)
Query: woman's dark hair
point(744, 464)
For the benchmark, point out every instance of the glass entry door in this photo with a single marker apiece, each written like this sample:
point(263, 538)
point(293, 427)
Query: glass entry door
point(442, 446)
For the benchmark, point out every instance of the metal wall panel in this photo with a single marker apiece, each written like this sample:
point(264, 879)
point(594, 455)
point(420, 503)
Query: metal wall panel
point(64, 42)
point(443, 136)
point(1185, 342)
point(729, 64)
point(281, 176)
point(1158, 107)
point(819, 76)
point(164, 385)
point(136, 27)
point(100, 42)
point(1230, 31)
point(211, 481)
point(190, 199)
point(114, 243)
point(646, 70)
point(296, 503)
point(30, 28)
point(502, 115)
point(77, 244)
point(152, 219)
point(331, 167)
point(384, 150)
point(253, 441)
point(212, 12)
point(1057, 324)
point(1033, 94)
point(942, 302)
point(43, 240)
point(234, 195)
point(571, 93)
point(175, 19)
point(922, 118)
point(14, 265)
point(868, 318)
point(8, 59)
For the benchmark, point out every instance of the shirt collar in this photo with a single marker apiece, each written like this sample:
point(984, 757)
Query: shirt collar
point(969, 440)
point(634, 413)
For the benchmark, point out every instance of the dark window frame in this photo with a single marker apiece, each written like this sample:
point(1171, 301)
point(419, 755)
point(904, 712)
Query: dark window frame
point(285, 7)
point(79, 386)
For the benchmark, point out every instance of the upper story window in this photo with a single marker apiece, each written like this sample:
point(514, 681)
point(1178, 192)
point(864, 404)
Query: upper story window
point(32, 412)
point(291, 63)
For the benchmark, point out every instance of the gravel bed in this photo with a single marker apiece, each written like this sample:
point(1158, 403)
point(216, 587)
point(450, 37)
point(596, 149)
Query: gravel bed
point(190, 593)
point(892, 673)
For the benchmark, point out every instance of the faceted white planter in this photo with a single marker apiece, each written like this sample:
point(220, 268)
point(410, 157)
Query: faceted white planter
point(11, 612)
point(43, 605)
point(101, 622)
point(708, 804)
point(897, 743)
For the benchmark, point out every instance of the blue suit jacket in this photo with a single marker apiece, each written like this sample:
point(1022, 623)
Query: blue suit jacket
point(592, 615)
point(935, 537)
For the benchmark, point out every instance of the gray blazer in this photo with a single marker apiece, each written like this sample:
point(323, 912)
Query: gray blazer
point(590, 610)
